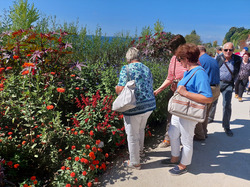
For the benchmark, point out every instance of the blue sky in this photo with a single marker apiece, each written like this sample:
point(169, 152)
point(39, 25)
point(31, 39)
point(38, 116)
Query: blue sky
point(210, 18)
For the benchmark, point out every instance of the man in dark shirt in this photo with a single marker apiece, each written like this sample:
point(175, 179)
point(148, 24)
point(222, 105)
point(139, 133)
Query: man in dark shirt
point(229, 65)
point(212, 69)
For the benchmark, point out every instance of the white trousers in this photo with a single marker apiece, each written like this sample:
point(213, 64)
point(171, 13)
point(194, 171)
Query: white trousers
point(135, 130)
point(182, 130)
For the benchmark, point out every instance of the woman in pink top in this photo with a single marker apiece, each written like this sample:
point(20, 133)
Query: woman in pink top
point(175, 74)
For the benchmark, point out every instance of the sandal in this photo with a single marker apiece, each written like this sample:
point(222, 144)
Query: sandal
point(131, 166)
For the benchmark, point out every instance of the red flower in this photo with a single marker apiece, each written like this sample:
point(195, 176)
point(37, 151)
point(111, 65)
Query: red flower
point(97, 142)
point(69, 158)
point(81, 131)
point(24, 142)
point(86, 120)
point(73, 147)
point(63, 168)
point(52, 73)
point(106, 155)
point(25, 72)
point(92, 155)
point(91, 167)
point(95, 162)
point(8, 68)
point(10, 133)
point(33, 178)
point(72, 75)
point(87, 146)
point(61, 90)
point(16, 165)
point(50, 107)
point(77, 88)
point(89, 184)
point(72, 174)
point(77, 158)
point(84, 173)
point(91, 133)
point(9, 163)
point(68, 185)
point(16, 57)
point(1, 85)
point(94, 149)
point(28, 55)
point(35, 182)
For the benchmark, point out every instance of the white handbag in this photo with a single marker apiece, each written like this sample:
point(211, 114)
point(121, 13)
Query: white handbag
point(126, 99)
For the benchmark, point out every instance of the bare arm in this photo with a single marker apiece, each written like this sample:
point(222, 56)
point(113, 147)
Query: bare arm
point(193, 96)
point(164, 85)
point(118, 89)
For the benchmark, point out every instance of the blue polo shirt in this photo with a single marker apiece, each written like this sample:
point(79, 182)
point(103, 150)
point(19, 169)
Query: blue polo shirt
point(199, 83)
point(211, 67)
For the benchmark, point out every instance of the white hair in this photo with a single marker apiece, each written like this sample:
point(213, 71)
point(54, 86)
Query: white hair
point(132, 54)
point(227, 44)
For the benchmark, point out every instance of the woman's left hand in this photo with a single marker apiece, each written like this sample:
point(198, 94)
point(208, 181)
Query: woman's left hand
point(182, 90)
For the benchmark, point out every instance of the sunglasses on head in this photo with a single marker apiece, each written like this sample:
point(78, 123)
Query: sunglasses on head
point(228, 50)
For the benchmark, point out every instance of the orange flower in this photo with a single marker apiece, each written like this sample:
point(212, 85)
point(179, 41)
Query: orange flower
point(60, 90)
point(49, 107)
point(24, 142)
point(72, 75)
point(25, 72)
point(26, 64)
point(92, 155)
point(35, 182)
point(16, 57)
point(16, 165)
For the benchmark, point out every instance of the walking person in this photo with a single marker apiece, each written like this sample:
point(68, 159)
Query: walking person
point(135, 119)
point(229, 65)
point(175, 74)
point(212, 69)
point(242, 78)
point(198, 89)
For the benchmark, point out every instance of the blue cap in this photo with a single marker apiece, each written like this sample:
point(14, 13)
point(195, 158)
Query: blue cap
point(246, 48)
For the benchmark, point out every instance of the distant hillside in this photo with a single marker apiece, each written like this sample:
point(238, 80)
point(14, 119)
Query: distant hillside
point(238, 36)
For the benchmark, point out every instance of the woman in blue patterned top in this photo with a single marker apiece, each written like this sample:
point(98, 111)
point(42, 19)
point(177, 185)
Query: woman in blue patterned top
point(135, 119)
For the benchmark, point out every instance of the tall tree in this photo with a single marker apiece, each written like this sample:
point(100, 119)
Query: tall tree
point(158, 27)
point(23, 15)
point(193, 38)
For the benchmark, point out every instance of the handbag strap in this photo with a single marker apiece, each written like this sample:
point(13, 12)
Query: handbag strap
point(192, 76)
point(174, 68)
point(228, 69)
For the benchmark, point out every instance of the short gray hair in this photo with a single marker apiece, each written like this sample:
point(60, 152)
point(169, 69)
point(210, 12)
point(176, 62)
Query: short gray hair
point(202, 48)
point(132, 54)
point(227, 44)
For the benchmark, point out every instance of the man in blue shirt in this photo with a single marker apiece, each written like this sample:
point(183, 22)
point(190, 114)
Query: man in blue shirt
point(212, 69)
point(229, 65)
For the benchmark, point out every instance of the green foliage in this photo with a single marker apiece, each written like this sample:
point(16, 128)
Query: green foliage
point(22, 15)
point(193, 38)
point(236, 35)
point(158, 27)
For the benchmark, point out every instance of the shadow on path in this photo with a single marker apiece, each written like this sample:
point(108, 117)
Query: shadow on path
point(223, 154)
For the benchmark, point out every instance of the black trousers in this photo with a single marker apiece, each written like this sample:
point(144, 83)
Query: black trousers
point(240, 86)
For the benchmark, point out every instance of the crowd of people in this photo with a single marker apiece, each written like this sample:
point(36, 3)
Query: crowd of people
point(208, 78)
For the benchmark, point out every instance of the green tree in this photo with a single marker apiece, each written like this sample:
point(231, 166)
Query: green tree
point(215, 43)
point(193, 38)
point(158, 27)
point(23, 15)
point(146, 31)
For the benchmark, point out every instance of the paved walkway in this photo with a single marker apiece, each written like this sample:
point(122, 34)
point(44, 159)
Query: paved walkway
point(220, 161)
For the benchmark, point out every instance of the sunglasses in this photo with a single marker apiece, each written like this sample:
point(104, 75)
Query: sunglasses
point(228, 50)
